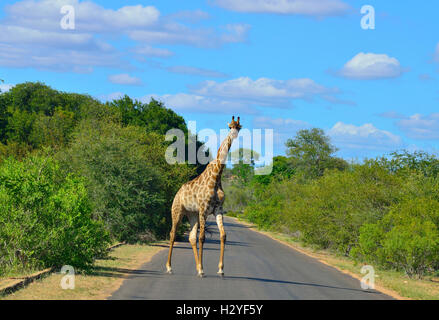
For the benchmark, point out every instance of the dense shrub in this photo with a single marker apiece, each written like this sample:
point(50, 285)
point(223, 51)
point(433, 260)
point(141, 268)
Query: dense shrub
point(381, 212)
point(45, 217)
point(327, 211)
point(129, 182)
point(407, 238)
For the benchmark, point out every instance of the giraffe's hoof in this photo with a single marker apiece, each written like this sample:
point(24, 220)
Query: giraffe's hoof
point(168, 270)
point(221, 272)
point(201, 274)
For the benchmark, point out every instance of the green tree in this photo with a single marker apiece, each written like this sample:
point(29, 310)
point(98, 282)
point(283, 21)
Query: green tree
point(130, 184)
point(243, 162)
point(282, 168)
point(311, 153)
point(153, 116)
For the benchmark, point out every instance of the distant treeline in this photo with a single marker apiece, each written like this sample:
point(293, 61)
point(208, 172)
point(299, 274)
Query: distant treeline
point(77, 174)
point(384, 211)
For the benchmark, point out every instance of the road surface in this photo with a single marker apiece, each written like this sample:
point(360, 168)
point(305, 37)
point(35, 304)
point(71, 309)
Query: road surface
point(256, 268)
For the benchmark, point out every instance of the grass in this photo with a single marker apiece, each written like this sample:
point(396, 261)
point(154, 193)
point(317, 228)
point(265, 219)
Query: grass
point(105, 277)
point(393, 283)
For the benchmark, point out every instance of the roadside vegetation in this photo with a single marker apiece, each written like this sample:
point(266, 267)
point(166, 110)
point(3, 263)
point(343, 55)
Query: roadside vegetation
point(77, 175)
point(383, 211)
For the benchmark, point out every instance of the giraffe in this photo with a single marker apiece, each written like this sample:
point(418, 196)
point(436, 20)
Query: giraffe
point(200, 198)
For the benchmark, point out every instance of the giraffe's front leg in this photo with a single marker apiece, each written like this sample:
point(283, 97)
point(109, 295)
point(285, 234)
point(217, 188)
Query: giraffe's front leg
point(219, 222)
point(202, 220)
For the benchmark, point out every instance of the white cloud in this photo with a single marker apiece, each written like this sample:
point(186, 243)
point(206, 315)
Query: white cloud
point(236, 32)
point(316, 8)
point(392, 115)
point(420, 127)
point(366, 137)
point(243, 95)
point(125, 79)
point(89, 17)
point(152, 52)
point(283, 128)
point(175, 33)
point(4, 87)
point(192, 16)
point(31, 35)
point(369, 66)
point(45, 58)
point(264, 91)
point(196, 71)
point(184, 102)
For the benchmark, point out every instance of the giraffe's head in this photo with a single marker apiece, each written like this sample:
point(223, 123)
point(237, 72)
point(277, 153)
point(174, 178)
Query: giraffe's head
point(234, 126)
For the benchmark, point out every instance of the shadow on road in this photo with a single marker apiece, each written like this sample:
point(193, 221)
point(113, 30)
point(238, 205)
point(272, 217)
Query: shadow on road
point(121, 272)
point(298, 283)
point(184, 244)
point(235, 225)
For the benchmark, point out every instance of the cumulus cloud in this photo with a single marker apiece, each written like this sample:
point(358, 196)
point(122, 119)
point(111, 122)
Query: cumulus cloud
point(89, 17)
point(315, 8)
point(4, 87)
point(265, 91)
point(366, 137)
point(392, 115)
point(283, 128)
point(422, 127)
point(152, 52)
point(370, 66)
point(191, 16)
point(176, 33)
point(125, 79)
point(196, 71)
point(185, 102)
point(31, 35)
point(44, 58)
point(245, 95)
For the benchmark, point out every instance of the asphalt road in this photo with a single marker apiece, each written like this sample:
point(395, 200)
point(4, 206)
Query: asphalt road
point(256, 268)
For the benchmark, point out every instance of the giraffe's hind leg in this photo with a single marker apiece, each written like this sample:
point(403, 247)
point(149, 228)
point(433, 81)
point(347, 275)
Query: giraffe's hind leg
point(193, 220)
point(177, 215)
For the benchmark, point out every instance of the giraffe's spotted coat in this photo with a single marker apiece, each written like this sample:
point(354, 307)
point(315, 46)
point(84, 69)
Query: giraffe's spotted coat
point(199, 198)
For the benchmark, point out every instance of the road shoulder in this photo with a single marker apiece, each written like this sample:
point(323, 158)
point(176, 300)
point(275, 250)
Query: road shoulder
point(105, 277)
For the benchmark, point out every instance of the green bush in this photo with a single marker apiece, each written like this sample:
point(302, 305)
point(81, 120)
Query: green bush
point(407, 238)
point(329, 211)
point(45, 218)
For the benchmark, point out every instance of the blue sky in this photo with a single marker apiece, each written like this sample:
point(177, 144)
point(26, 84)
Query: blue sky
point(280, 64)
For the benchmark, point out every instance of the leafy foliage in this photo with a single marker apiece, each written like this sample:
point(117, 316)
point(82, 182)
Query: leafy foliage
point(110, 180)
point(383, 211)
point(311, 152)
point(129, 182)
point(45, 217)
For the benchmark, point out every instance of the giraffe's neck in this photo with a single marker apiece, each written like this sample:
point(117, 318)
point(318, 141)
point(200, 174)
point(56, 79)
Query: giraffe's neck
point(216, 166)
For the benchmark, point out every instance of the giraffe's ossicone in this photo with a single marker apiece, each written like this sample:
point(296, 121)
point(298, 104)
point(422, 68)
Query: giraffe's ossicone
point(201, 197)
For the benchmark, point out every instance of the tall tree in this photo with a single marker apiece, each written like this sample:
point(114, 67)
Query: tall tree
point(311, 152)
